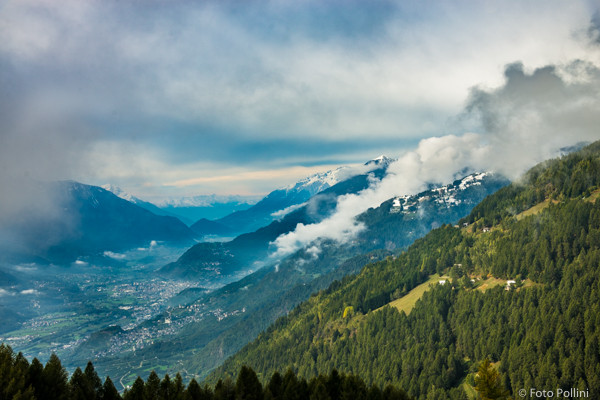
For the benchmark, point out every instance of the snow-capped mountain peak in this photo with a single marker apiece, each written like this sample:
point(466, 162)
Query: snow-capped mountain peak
point(380, 161)
point(318, 182)
point(324, 180)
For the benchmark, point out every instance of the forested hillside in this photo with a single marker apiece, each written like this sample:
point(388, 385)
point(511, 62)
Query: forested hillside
point(542, 331)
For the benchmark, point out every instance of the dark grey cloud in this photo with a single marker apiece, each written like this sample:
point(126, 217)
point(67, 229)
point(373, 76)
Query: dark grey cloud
point(541, 111)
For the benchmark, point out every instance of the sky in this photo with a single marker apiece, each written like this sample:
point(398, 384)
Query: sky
point(182, 98)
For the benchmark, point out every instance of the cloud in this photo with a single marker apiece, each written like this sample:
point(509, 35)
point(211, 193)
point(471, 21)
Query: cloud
point(435, 160)
point(113, 255)
point(524, 121)
point(160, 87)
point(283, 212)
point(211, 97)
point(532, 115)
point(249, 175)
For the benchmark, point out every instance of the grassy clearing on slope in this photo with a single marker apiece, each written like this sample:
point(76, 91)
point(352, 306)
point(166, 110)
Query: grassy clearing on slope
point(537, 208)
point(490, 283)
point(407, 303)
point(593, 196)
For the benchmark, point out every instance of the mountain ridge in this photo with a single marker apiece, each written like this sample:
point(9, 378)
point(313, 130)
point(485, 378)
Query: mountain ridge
point(287, 197)
point(89, 220)
point(248, 248)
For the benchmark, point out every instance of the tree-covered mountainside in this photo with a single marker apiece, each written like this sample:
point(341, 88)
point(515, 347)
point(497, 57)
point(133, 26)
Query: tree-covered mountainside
point(537, 241)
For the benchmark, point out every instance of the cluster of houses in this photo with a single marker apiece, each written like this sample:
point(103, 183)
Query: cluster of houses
point(510, 284)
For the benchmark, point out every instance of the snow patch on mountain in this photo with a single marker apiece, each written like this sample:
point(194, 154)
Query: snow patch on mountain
point(473, 179)
point(117, 191)
point(441, 195)
point(317, 182)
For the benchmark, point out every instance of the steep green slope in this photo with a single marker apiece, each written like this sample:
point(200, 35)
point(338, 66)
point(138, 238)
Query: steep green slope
point(545, 336)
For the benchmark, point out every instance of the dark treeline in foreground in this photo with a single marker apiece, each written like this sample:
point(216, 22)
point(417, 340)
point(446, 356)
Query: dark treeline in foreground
point(20, 380)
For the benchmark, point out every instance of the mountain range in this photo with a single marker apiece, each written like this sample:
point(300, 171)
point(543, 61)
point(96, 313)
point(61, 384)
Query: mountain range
point(228, 258)
point(210, 326)
point(189, 209)
point(281, 201)
point(436, 284)
point(516, 283)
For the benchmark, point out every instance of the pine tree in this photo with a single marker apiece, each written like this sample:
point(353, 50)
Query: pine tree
point(25, 395)
point(13, 374)
point(108, 391)
point(54, 378)
point(290, 386)
point(93, 380)
point(6, 361)
point(247, 386)
point(224, 390)
point(334, 385)
point(274, 390)
point(392, 393)
point(319, 392)
point(79, 387)
point(177, 387)
point(166, 389)
point(194, 391)
point(374, 393)
point(487, 382)
point(36, 379)
point(152, 387)
point(137, 391)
